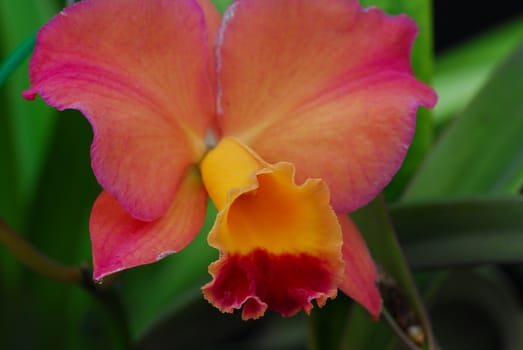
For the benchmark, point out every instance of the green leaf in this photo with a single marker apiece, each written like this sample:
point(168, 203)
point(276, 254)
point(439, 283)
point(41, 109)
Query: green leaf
point(462, 71)
point(16, 58)
point(221, 5)
point(477, 310)
point(199, 325)
point(66, 187)
point(25, 130)
point(362, 333)
point(482, 151)
point(58, 226)
point(171, 284)
point(326, 325)
point(443, 234)
point(25, 127)
point(375, 226)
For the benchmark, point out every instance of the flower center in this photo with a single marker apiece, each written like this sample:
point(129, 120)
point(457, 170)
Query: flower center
point(261, 207)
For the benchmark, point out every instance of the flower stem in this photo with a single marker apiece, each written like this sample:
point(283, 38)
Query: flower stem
point(313, 341)
point(111, 303)
point(33, 259)
point(81, 276)
point(398, 331)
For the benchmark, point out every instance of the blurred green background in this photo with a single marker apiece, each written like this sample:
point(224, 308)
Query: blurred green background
point(455, 208)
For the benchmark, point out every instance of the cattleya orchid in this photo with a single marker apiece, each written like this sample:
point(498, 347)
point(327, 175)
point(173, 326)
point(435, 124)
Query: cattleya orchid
point(287, 114)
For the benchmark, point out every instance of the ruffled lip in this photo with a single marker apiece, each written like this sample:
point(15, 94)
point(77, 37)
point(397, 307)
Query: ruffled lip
point(260, 281)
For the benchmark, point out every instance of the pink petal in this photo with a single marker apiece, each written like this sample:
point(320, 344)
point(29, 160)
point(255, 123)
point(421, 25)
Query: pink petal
point(325, 85)
point(138, 70)
point(360, 273)
point(120, 241)
point(213, 20)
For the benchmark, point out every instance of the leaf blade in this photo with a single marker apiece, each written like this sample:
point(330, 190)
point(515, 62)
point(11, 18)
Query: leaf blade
point(482, 151)
point(375, 226)
point(462, 232)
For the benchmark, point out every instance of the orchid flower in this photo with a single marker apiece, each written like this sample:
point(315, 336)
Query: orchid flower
point(287, 114)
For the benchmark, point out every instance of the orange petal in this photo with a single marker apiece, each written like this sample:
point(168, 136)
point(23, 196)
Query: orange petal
point(360, 274)
point(325, 85)
point(120, 241)
point(229, 168)
point(280, 243)
point(138, 70)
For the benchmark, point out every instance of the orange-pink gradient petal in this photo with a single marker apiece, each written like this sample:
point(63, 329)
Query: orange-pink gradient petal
point(213, 20)
point(139, 71)
point(326, 85)
point(360, 274)
point(120, 241)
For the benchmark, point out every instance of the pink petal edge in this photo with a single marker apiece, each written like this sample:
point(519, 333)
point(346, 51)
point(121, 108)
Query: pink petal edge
point(360, 272)
point(120, 241)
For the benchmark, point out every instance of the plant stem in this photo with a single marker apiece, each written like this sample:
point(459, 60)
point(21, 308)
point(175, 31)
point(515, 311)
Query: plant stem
point(112, 305)
point(398, 331)
point(313, 332)
point(36, 261)
point(80, 276)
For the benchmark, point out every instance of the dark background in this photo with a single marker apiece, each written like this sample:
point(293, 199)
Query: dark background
point(455, 21)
